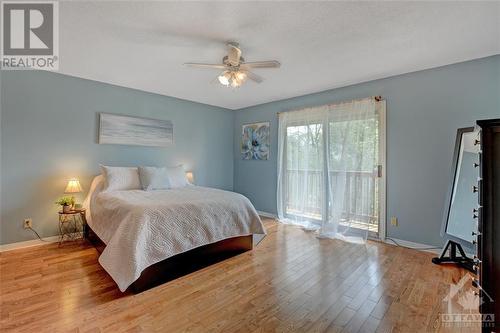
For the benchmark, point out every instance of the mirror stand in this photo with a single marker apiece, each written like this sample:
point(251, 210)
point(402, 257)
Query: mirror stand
point(461, 260)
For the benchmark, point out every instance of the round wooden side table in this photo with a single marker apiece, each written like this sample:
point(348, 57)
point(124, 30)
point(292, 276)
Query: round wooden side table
point(72, 225)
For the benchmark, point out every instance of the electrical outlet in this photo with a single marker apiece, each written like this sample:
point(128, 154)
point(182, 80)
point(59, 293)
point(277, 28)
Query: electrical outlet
point(28, 223)
point(394, 221)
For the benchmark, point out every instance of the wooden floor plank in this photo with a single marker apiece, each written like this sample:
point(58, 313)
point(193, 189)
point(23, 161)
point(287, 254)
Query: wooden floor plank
point(291, 282)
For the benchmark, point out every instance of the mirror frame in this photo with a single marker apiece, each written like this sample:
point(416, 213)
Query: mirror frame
point(454, 166)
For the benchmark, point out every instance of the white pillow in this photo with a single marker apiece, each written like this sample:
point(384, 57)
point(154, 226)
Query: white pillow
point(153, 178)
point(177, 177)
point(120, 178)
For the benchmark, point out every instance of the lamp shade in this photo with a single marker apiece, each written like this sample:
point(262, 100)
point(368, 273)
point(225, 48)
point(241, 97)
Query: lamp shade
point(73, 186)
point(190, 177)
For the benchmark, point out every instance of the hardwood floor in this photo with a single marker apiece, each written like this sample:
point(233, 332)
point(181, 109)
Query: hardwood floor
point(292, 281)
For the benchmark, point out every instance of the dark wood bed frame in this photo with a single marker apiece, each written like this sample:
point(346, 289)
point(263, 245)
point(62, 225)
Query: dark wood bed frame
point(183, 263)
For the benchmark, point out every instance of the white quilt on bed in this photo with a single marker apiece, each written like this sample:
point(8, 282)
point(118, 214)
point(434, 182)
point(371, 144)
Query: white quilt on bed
point(142, 228)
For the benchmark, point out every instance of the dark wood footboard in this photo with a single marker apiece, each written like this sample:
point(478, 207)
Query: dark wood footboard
point(182, 263)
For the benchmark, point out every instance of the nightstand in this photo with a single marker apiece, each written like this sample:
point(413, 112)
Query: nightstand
point(72, 225)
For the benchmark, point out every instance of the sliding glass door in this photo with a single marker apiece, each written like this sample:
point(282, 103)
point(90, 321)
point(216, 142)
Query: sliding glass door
point(354, 172)
point(305, 182)
point(330, 170)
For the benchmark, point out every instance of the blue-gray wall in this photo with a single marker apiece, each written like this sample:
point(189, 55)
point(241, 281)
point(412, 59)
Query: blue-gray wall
point(424, 109)
point(49, 128)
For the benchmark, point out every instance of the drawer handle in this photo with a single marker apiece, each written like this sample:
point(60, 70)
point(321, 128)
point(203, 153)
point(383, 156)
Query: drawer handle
point(475, 165)
point(476, 142)
point(476, 233)
point(474, 189)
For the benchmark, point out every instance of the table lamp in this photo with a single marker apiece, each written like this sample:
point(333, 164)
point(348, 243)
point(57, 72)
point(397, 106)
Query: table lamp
point(73, 187)
point(190, 177)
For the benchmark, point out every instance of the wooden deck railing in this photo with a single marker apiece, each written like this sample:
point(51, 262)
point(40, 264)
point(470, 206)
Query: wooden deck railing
point(361, 207)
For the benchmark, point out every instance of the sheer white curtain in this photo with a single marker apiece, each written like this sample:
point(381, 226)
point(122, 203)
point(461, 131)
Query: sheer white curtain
point(327, 162)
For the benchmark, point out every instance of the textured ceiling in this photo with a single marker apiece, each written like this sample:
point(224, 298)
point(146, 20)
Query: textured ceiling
point(321, 45)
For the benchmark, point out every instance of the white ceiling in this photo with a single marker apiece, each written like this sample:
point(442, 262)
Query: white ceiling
point(321, 45)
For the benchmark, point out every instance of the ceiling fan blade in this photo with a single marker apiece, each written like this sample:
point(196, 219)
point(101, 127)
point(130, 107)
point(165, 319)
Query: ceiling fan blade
point(253, 77)
point(214, 66)
point(261, 64)
point(234, 54)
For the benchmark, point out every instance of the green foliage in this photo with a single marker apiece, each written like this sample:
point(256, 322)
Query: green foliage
point(352, 145)
point(64, 201)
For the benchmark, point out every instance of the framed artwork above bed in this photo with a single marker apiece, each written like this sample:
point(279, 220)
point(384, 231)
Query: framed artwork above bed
point(137, 131)
point(255, 141)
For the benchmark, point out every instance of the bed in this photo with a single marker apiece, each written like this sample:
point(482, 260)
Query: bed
point(148, 237)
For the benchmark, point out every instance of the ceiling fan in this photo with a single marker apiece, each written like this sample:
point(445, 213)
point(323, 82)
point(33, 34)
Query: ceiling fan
point(236, 70)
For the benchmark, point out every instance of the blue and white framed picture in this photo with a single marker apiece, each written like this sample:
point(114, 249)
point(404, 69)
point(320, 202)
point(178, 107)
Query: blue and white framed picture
point(126, 130)
point(255, 141)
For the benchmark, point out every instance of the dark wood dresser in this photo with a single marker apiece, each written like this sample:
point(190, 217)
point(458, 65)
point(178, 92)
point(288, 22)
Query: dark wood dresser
point(488, 217)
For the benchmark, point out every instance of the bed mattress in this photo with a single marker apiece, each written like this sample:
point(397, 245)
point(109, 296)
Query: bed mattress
point(141, 228)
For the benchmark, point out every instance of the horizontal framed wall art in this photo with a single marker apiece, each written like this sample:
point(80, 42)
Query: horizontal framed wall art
point(137, 131)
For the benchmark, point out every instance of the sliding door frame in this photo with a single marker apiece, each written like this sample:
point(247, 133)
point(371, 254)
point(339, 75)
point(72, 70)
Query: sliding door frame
point(382, 223)
point(382, 179)
point(285, 184)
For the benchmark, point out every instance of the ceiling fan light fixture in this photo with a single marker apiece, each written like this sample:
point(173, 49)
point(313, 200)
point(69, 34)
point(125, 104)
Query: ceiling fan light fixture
point(224, 78)
point(233, 79)
point(241, 76)
point(235, 83)
point(237, 79)
point(236, 70)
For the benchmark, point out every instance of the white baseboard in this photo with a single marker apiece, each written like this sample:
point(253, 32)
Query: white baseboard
point(413, 245)
point(266, 214)
point(30, 243)
point(35, 242)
